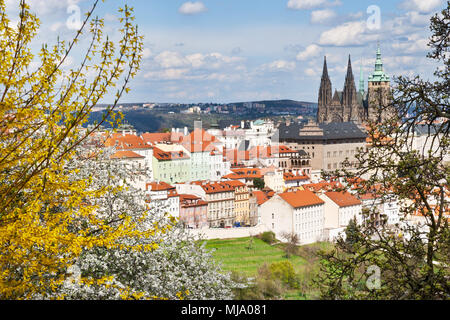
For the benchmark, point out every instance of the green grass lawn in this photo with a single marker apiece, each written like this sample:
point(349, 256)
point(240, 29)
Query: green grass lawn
point(234, 255)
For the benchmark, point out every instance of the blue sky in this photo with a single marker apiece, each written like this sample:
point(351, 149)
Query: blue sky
point(241, 50)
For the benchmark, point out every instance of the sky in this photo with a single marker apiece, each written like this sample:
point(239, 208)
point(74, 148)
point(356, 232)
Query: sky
point(227, 51)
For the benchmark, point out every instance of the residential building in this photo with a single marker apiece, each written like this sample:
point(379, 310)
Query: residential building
point(193, 212)
point(220, 198)
point(340, 208)
point(163, 196)
point(300, 212)
point(171, 166)
point(295, 178)
point(135, 162)
point(241, 202)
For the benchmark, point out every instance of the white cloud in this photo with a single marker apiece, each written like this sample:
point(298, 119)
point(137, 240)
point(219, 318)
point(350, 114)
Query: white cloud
point(310, 4)
point(146, 53)
point(280, 65)
point(170, 59)
point(167, 74)
point(322, 16)
point(422, 6)
point(311, 72)
point(415, 43)
point(418, 19)
point(311, 51)
point(347, 34)
point(191, 8)
point(170, 65)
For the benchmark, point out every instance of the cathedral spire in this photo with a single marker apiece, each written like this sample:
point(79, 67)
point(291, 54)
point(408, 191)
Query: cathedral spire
point(325, 69)
point(379, 74)
point(361, 78)
point(349, 76)
point(324, 93)
point(349, 96)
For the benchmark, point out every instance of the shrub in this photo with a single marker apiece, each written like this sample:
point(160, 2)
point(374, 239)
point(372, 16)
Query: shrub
point(268, 237)
point(284, 271)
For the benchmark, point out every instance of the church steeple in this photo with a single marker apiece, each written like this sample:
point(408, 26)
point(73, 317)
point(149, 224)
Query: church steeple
point(325, 69)
point(379, 75)
point(324, 93)
point(349, 95)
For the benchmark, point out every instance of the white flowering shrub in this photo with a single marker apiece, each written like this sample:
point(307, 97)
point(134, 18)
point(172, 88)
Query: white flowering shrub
point(178, 267)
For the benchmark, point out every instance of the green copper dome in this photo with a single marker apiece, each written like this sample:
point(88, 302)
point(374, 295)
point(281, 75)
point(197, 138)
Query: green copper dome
point(379, 74)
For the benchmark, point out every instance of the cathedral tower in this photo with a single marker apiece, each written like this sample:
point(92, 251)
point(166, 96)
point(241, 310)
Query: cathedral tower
point(378, 92)
point(351, 110)
point(324, 94)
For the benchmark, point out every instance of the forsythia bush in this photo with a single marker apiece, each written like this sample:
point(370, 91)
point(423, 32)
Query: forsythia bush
point(42, 110)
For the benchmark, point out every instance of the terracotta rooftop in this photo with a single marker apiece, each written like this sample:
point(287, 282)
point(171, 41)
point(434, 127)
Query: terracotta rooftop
point(159, 186)
point(244, 173)
point(315, 187)
point(301, 198)
point(214, 187)
point(261, 197)
point(343, 199)
point(189, 200)
point(126, 154)
point(289, 176)
point(158, 137)
point(235, 183)
point(126, 142)
point(169, 155)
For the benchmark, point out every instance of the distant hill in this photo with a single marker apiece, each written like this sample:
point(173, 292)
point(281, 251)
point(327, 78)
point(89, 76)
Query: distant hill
point(280, 103)
point(168, 115)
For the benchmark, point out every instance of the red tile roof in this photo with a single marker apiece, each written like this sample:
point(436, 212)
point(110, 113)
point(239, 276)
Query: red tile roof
point(126, 154)
point(189, 200)
point(214, 187)
point(261, 197)
point(235, 183)
point(289, 176)
point(159, 186)
point(343, 199)
point(244, 173)
point(126, 142)
point(315, 187)
point(301, 198)
point(169, 155)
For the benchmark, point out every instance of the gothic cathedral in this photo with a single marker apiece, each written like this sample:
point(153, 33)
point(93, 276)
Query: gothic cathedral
point(350, 105)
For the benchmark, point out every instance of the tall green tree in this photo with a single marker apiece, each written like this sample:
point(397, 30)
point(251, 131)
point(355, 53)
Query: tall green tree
point(409, 260)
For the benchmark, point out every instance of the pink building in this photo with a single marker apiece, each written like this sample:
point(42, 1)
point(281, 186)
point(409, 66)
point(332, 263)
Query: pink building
point(193, 212)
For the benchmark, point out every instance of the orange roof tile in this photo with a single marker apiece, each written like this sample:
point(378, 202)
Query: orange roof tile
point(126, 142)
point(214, 187)
point(159, 186)
point(169, 155)
point(289, 176)
point(244, 173)
point(315, 187)
point(343, 199)
point(261, 197)
point(301, 198)
point(126, 154)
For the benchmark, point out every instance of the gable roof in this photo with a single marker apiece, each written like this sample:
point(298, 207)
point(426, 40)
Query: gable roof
point(126, 154)
point(169, 155)
point(343, 199)
point(301, 198)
